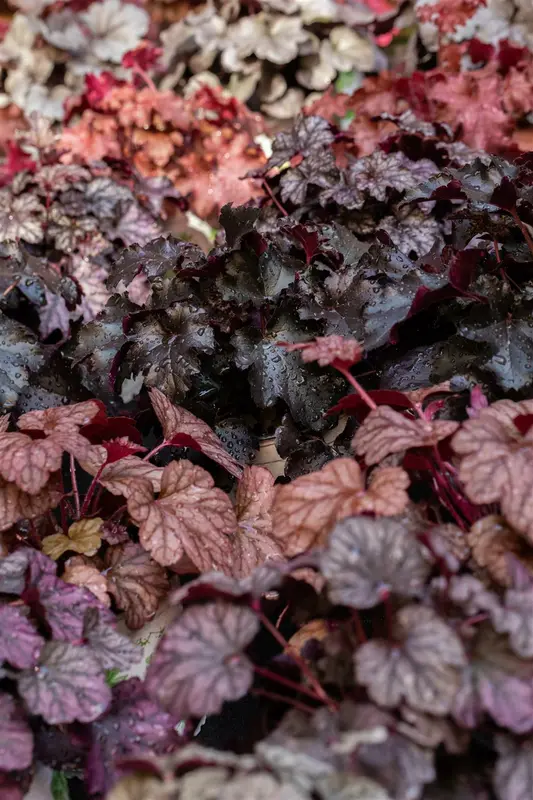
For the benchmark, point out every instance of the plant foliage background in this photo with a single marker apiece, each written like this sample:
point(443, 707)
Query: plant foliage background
point(232, 227)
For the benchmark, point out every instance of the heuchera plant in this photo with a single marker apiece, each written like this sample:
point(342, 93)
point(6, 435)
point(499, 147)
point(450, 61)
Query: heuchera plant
point(406, 657)
point(204, 144)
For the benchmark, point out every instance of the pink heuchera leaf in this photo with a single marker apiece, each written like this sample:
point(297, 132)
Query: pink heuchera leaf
point(366, 558)
point(60, 420)
point(386, 431)
point(328, 350)
point(420, 666)
point(17, 505)
point(487, 445)
point(20, 644)
point(305, 510)
point(118, 476)
point(253, 542)
point(199, 663)
point(190, 516)
point(27, 462)
point(136, 581)
point(67, 685)
point(515, 617)
point(111, 648)
point(16, 738)
point(81, 573)
point(176, 420)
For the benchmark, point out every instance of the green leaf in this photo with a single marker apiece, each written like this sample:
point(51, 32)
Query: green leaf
point(59, 786)
point(113, 676)
point(348, 82)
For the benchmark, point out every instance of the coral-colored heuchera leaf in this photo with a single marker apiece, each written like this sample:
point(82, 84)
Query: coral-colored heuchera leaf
point(81, 573)
point(177, 421)
point(386, 431)
point(136, 581)
point(253, 542)
point(190, 516)
point(306, 510)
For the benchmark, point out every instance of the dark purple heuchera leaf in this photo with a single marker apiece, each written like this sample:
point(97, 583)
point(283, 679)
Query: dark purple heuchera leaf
point(20, 644)
point(254, 279)
point(165, 348)
point(366, 558)
point(275, 374)
point(20, 355)
point(111, 648)
point(133, 725)
point(377, 173)
point(67, 685)
point(318, 170)
point(199, 663)
point(95, 348)
point(495, 681)
point(237, 222)
point(16, 738)
point(22, 566)
point(308, 135)
point(154, 259)
point(511, 340)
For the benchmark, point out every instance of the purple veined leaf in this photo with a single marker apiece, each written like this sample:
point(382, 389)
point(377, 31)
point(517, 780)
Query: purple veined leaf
point(421, 666)
point(111, 648)
point(20, 644)
point(23, 564)
point(495, 681)
point(133, 726)
point(136, 581)
point(67, 685)
point(514, 768)
point(308, 135)
point(216, 585)
point(16, 738)
point(367, 556)
point(199, 663)
point(64, 606)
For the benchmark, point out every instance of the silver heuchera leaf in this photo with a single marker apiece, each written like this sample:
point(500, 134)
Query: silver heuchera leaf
point(116, 28)
point(67, 685)
point(366, 558)
point(111, 648)
point(199, 664)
